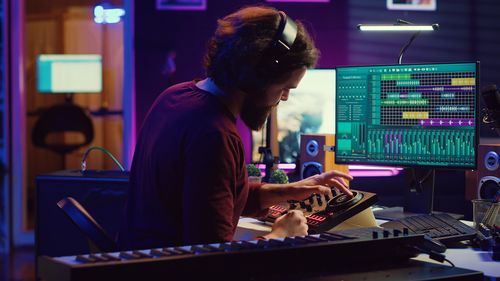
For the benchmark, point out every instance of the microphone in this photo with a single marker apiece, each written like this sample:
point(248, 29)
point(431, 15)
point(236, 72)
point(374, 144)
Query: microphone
point(491, 98)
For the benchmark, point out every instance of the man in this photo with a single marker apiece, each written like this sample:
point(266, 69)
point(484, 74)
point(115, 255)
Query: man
point(188, 178)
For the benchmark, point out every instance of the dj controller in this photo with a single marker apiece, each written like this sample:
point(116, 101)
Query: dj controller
point(323, 213)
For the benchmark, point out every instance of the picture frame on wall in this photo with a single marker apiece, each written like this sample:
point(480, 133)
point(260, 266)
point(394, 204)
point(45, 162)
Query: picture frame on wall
point(181, 5)
point(412, 5)
point(300, 1)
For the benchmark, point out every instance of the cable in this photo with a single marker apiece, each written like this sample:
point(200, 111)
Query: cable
point(425, 177)
point(433, 255)
point(405, 47)
point(86, 154)
point(447, 260)
point(418, 182)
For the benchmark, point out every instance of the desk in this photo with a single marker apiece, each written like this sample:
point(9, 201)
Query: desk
point(468, 258)
point(471, 258)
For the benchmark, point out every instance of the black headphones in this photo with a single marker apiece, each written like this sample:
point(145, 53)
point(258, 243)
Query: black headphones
point(285, 36)
point(282, 43)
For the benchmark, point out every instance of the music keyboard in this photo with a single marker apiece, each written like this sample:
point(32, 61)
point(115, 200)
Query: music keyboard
point(241, 260)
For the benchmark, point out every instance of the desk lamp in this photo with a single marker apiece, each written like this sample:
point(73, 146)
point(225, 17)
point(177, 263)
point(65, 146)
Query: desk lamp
point(400, 26)
point(420, 176)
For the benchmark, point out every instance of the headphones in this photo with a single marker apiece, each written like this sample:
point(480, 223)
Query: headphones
point(282, 43)
point(285, 37)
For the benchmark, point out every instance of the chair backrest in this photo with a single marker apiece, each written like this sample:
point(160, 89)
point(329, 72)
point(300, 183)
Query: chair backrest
point(62, 118)
point(87, 225)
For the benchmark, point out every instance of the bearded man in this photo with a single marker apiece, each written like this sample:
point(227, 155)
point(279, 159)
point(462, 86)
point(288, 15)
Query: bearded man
point(188, 182)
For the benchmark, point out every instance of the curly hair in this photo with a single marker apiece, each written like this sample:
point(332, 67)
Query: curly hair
point(238, 53)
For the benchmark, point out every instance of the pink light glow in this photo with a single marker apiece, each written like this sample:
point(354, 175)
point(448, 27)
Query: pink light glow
point(372, 173)
point(354, 170)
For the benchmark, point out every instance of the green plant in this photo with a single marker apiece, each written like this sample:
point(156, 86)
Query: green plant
point(278, 176)
point(253, 171)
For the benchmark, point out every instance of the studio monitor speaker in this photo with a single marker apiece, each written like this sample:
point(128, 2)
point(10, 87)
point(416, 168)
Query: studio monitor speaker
point(317, 156)
point(485, 182)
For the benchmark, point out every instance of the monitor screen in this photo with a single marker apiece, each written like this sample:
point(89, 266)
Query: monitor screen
point(308, 110)
point(65, 73)
point(408, 115)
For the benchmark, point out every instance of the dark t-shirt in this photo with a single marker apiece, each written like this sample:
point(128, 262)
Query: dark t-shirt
point(188, 182)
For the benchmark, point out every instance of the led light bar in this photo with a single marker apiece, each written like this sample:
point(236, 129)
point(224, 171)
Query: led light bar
point(397, 27)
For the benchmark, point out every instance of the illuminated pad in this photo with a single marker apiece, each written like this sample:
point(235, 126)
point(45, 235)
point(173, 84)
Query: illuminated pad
point(322, 212)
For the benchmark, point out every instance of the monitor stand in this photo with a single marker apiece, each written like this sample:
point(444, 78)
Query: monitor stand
point(418, 197)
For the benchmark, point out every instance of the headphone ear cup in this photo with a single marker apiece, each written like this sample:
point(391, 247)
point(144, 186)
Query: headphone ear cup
point(256, 77)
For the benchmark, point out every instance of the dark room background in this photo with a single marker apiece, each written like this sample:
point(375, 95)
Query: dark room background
point(469, 31)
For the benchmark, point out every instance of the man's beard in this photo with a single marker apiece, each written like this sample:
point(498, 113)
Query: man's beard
point(254, 116)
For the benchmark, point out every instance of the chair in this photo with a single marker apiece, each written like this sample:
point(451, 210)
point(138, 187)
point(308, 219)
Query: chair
point(99, 240)
point(61, 118)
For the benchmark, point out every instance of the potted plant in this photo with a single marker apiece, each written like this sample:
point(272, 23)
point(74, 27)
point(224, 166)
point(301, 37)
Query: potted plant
point(254, 174)
point(278, 176)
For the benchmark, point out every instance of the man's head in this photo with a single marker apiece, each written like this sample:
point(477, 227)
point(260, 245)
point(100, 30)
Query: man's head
point(242, 57)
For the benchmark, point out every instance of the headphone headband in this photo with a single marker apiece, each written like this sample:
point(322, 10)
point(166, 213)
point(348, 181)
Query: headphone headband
point(287, 32)
point(285, 36)
point(257, 75)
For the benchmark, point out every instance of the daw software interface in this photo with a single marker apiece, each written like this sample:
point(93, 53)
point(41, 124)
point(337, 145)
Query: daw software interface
point(407, 115)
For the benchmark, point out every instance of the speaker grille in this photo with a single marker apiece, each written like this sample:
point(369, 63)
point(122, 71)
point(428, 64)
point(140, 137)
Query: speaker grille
point(311, 169)
point(312, 148)
point(489, 188)
point(491, 161)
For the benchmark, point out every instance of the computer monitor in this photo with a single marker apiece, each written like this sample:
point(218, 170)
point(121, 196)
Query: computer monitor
point(423, 116)
point(310, 109)
point(69, 73)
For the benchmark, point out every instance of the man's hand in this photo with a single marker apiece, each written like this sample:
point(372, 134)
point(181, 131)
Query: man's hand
point(328, 179)
point(272, 194)
point(292, 223)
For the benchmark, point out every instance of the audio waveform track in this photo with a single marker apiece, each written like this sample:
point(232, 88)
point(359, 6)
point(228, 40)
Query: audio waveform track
point(414, 146)
point(410, 99)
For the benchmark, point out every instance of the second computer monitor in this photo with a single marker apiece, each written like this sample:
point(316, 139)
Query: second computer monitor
point(309, 110)
point(408, 115)
point(69, 73)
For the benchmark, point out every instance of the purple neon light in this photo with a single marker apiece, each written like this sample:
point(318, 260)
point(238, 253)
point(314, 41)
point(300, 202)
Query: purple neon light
point(304, 1)
point(354, 170)
point(361, 174)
